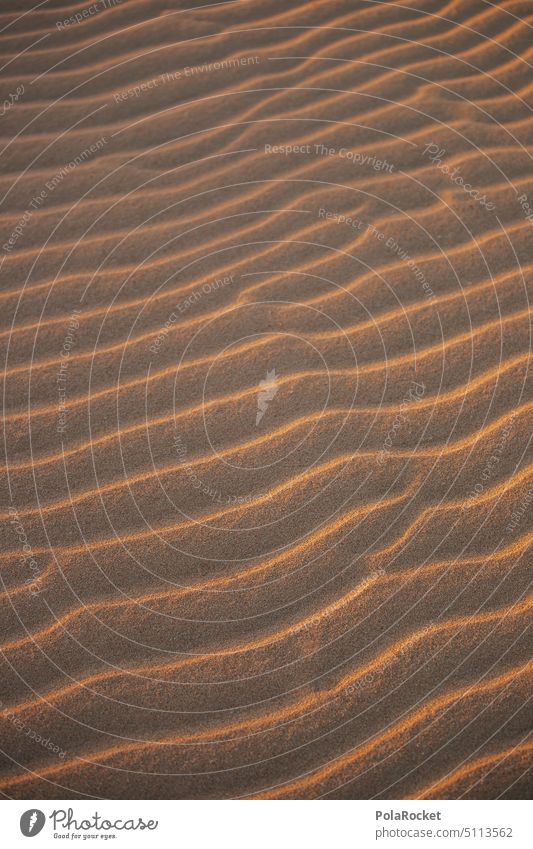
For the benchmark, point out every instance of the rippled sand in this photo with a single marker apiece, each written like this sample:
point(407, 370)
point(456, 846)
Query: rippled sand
point(268, 484)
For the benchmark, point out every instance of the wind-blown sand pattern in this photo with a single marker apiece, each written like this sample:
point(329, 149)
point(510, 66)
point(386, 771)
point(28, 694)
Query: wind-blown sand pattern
point(268, 483)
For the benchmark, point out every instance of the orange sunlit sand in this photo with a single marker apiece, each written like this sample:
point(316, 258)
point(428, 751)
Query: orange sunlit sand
point(268, 484)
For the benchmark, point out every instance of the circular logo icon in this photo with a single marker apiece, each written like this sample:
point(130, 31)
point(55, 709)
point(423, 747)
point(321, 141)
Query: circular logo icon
point(32, 822)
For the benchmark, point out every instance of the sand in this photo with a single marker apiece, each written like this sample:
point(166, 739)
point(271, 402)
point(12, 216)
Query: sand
point(267, 479)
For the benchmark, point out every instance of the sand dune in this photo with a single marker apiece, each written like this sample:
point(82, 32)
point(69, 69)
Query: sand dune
point(266, 329)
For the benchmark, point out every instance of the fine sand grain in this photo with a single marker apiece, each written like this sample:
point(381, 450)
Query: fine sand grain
point(267, 487)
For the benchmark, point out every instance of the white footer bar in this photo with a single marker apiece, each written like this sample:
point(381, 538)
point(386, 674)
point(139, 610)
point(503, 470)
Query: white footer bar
point(268, 825)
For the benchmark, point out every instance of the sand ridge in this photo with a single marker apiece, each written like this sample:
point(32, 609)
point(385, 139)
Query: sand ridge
point(265, 277)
